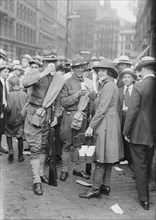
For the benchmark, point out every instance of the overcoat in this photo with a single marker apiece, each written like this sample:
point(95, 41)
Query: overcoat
point(140, 122)
point(106, 124)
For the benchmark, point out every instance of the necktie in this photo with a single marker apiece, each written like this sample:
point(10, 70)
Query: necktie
point(127, 96)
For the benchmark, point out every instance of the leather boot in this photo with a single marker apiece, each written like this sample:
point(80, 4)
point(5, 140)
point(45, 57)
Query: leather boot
point(10, 146)
point(37, 188)
point(105, 189)
point(20, 150)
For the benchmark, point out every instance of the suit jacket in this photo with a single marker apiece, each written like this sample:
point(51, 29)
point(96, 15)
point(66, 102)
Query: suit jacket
point(120, 102)
point(140, 122)
point(1, 98)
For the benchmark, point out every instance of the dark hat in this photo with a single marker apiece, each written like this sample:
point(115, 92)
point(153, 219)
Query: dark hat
point(106, 64)
point(27, 56)
point(50, 58)
point(36, 61)
point(3, 53)
point(128, 71)
point(145, 61)
point(78, 60)
point(123, 59)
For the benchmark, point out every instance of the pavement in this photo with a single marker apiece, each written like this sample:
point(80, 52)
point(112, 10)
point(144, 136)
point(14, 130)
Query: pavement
point(63, 202)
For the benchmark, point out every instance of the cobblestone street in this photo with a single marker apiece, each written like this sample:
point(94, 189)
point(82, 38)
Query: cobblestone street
point(63, 202)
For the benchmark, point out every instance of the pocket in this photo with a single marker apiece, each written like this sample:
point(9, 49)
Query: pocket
point(30, 113)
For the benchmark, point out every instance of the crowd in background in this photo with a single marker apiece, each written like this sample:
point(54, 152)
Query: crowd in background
point(112, 100)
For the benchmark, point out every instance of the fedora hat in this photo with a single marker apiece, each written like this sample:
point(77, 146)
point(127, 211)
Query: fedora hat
point(123, 59)
point(145, 61)
point(128, 71)
point(106, 64)
point(3, 53)
point(78, 60)
point(50, 58)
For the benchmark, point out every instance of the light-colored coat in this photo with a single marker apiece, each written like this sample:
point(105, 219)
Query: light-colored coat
point(106, 124)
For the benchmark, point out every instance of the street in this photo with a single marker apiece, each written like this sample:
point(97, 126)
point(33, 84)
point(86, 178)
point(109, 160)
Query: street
point(63, 202)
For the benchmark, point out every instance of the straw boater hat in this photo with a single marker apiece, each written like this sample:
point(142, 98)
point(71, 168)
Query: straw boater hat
point(3, 53)
point(27, 56)
point(147, 60)
point(78, 60)
point(123, 59)
point(129, 71)
point(106, 64)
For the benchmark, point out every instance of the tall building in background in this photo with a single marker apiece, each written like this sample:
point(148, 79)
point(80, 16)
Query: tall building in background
point(106, 31)
point(32, 26)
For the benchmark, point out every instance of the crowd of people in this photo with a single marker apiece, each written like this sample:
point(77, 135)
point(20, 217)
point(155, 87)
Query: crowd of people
point(113, 101)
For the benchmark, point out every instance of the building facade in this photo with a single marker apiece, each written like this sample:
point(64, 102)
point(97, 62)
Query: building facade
point(30, 26)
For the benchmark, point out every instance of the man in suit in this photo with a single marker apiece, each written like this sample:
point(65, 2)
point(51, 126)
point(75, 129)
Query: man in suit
point(140, 126)
point(128, 77)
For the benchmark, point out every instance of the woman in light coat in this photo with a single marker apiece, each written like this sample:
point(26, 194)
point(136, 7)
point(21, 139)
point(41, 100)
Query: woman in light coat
point(106, 126)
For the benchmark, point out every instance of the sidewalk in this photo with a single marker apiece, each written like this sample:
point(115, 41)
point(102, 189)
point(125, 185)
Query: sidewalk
point(63, 202)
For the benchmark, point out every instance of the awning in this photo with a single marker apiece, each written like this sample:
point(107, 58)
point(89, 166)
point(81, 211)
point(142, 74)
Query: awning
point(143, 52)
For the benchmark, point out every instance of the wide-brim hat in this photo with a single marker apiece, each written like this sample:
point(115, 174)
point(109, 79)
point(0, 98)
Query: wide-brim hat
point(123, 60)
point(78, 60)
point(51, 58)
point(36, 61)
point(106, 64)
point(27, 56)
point(3, 53)
point(147, 60)
point(128, 71)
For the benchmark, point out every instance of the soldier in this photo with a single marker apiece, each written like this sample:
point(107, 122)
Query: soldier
point(70, 97)
point(37, 135)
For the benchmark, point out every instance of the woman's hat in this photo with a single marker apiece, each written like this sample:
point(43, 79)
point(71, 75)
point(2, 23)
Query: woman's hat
point(78, 60)
point(145, 61)
point(123, 59)
point(50, 58)
point(106, 64)
point(36, 61)
point(128, 71)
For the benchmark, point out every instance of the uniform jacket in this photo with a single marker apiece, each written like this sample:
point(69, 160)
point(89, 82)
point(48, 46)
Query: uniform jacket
point(140, 123)
point(106, 124)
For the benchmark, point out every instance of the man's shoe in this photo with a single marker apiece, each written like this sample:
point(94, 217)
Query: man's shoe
point(81, 174)
point(21, 159)
point(3, 150)
point(44, 179)
point(37, 188)
point(145, 205)
point(11, 155)
point(63, 175)
point(105, 189)
point(90, 194)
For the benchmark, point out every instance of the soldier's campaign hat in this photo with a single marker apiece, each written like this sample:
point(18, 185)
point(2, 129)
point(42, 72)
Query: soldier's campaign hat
point(123, 59)
point(27, 56)
point(51, 58)
point(129, 71)
point(78, 60)
point(106, 64)
point(3, 53)
point(145, 61)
